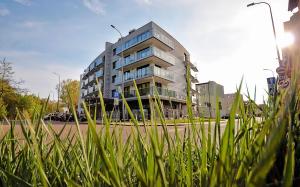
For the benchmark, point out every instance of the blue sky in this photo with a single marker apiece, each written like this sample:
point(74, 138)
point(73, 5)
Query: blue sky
point(226, 39)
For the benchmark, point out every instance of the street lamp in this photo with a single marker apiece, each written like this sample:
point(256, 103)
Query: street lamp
point(122, 56)
point(58, 90)
point(274, 31)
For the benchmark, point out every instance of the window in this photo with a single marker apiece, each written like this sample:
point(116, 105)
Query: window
point(113, 93)
point(126, 59)
point(143, 70)
point(144, 88)
point(185, 57)
point(114, 64)
point(141, 37)
point(127, 75)
point(114, 51)
point(143, 53)
point(113, 79)
point(158, 84)
point(127, 89)
point(103, 59)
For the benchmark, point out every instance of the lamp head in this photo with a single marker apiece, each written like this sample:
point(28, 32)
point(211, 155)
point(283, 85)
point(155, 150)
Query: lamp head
point(251, 4)
point(113, 26)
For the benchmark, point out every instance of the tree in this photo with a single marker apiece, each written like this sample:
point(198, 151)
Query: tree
point(7, 82)
point(3, 111)
point(71, 86)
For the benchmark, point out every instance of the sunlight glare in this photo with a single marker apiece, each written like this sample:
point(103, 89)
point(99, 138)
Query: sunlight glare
point(286, 39)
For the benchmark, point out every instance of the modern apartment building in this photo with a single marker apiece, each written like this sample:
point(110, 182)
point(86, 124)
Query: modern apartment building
point(150, 56)
point(207, 98)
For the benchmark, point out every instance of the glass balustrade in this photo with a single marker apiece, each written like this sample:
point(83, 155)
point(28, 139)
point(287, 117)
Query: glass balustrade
point(145, 72)
point(151, 91)
point(145, 36)
point(151, 51)
point(99, 73)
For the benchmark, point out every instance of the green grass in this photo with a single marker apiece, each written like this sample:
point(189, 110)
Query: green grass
point(252, 153)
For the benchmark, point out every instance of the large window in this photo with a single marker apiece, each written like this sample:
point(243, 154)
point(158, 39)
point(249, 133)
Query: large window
point(144, 53)
point(144, 88)
point(113, 93)
point(143, 70)
point(127, 75)
point(139, 38)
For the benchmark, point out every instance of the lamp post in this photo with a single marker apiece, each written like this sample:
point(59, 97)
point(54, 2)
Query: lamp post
point(58, 90)
point(274, 31)
point(122, 58)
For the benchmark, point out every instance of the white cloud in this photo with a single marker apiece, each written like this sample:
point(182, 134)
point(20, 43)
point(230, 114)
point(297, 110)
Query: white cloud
point(4, 12)
point(24, 2)
point(32, 24)
point(95, 6)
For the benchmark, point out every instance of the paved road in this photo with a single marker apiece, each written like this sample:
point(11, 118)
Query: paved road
point(126, 128)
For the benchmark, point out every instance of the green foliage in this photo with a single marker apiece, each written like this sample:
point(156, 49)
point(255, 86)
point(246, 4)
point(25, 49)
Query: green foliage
point(73, 87)
point(12, 97)
point(247, 154)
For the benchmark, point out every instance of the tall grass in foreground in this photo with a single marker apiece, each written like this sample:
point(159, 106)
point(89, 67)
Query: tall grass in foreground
point(252, 152)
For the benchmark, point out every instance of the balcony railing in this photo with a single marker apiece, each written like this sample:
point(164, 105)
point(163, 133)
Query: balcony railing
point(146, 72)
point(150, 91)
point(153, 51)
point(91, 78)
point(163, 38)
point(99, 73)
point(143, 37)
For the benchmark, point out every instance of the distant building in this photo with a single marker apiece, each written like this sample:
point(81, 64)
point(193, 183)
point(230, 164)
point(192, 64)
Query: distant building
point(228, 100)
point(207, 98)
point(150, 56)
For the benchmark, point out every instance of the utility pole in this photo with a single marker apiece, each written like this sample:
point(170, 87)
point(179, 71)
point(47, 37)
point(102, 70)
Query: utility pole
point(122, 60)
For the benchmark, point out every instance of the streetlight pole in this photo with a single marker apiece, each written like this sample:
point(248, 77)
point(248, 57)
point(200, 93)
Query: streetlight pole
point(58, 91)
point(274, 31)
point(122, 58)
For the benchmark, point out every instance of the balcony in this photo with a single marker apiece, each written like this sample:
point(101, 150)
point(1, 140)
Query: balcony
point(151, 37)
point(146, 56)
point(99, 73)
point(93, 67)
point(147, 73)
point(91, 91)
point(193, 78)
point(151, 91)
point(192, 66)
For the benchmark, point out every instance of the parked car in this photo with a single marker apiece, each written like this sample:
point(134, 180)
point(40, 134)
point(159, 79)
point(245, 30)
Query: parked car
point(226, 116)
point(50, 116)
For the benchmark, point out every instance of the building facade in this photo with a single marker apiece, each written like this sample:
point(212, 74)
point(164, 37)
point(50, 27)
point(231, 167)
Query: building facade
point(227, 102)
point(208, 93)
point(150, 56)
point(290, 54)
